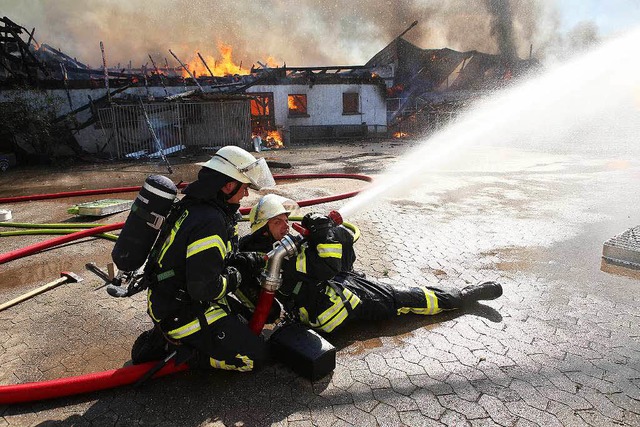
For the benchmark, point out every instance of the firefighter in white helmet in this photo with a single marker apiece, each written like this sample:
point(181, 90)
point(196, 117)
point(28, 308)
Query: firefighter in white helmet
point(269, 222)
point(321, 289)
point(195, 264)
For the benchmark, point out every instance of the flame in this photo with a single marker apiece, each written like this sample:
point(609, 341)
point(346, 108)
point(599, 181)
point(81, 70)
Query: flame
point(271, 62)
point(270, 139)
point(297, 103)
point(219, 67)
point(274, 139)
point(400, 135)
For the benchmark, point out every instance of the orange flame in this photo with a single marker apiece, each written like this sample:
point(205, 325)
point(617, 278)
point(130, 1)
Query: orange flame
point(274, 139)
point(223, 66)
point(400, 135)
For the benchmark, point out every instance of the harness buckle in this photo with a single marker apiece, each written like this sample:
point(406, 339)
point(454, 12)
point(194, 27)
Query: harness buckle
point(158, 220)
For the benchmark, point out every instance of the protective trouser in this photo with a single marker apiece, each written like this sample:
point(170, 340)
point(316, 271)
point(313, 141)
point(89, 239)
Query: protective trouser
point(383, 301)
point(227, 344)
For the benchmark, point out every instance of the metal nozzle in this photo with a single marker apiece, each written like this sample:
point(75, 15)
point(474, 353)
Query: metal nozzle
point(271, 279)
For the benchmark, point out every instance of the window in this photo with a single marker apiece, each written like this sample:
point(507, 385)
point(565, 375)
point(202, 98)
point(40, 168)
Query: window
point(297, 105)
point(262, 118)
point(350, 103)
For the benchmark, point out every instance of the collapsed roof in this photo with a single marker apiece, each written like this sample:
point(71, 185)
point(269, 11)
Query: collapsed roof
point(406, 66)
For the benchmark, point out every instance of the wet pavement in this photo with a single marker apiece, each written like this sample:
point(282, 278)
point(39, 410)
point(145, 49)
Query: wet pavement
point(561, 347)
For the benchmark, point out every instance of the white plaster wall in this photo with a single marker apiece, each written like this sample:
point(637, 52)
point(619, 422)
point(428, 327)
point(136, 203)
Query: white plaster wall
point(324, 105)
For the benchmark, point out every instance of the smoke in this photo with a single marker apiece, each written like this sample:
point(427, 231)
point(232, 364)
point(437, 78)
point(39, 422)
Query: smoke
point(298, 33)
point(502, 27)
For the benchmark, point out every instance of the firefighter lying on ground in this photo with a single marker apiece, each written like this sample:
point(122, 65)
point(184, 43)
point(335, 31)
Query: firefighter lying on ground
point(195, 264)
point(320, 287)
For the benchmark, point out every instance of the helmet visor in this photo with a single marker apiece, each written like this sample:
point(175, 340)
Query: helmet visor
point(259, 174)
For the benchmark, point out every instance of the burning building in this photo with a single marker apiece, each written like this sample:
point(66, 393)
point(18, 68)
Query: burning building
point(433, 81)
point(320, 103)
point(208, 103)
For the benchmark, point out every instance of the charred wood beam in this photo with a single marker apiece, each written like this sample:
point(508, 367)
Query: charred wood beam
point(9, 69)
point(335, 68)
point(413, 24)
point(88, 105)
point(15, 29)
point(187, 70)
point(31, 36)
point(205, 64)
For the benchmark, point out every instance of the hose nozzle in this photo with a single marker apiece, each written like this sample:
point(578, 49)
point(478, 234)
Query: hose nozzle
point(335, 217)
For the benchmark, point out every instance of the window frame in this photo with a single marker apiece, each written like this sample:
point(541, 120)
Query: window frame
point(295, 113)
point(346, 102)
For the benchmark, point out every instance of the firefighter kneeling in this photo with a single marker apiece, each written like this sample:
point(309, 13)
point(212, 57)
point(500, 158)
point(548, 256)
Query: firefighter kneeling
point(190, 270)
point(320, 287)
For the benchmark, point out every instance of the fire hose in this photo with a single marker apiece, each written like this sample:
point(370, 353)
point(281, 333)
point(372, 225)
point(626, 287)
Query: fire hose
point(20, 393)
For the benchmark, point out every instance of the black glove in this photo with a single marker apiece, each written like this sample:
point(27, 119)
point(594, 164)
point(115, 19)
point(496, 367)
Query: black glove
point(233, 277)
point(319, 226)
point(247, 263)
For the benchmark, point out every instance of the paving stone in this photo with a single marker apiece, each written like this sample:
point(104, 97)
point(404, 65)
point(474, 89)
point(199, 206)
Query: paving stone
point(469, 409)
point(353, 415)
point(416, 419)
point(560, 347)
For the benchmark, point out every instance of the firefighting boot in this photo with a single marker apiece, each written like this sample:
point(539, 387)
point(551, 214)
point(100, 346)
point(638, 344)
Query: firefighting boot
point(480, 291)
point(150, 345)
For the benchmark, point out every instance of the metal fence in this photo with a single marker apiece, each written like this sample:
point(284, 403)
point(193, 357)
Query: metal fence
point(178, 126)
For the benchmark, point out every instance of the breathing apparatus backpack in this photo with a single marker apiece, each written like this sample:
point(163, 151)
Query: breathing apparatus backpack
point(141, 230)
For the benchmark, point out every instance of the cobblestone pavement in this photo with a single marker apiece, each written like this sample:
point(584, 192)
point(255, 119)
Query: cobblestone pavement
point(561, 347)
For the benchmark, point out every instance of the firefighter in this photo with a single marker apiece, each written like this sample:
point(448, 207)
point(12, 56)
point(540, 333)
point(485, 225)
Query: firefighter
point(323, 291)
point(196, 266)
point(269, 222)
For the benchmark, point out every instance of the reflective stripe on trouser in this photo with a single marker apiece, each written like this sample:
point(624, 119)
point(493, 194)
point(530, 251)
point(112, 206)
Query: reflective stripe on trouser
point(429, 304)
point(336, 314)
point(228, 344)
point(221, 364)
point(212, 314)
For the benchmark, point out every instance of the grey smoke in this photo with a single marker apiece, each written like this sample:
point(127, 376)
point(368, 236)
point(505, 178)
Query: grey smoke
point(302, 32)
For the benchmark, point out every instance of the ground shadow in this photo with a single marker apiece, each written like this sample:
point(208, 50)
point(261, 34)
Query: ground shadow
point(363, 331)
point(198, 397)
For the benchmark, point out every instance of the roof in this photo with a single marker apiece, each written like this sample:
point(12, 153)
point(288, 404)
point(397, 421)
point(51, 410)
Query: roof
point(446, 69)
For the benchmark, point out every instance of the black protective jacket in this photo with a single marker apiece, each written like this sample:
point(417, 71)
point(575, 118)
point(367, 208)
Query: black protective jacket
point(308, 288)
point(189, 274)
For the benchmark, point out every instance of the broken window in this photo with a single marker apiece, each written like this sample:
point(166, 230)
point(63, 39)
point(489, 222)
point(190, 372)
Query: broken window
point(350, 103)
point(262, 117)
point(297, 105)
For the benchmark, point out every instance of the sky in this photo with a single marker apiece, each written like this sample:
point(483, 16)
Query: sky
point(610, 16)
point(315, 32)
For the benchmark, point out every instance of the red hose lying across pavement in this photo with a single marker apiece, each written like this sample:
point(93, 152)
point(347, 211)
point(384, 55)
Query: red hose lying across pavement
point(29, 392)
point(29, 250)
point(17, 199)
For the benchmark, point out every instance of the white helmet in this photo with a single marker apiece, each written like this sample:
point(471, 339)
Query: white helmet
point(242, 166)
point(269, 206)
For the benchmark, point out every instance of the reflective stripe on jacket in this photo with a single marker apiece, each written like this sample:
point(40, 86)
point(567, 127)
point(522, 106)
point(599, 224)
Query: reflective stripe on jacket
point(189, 277)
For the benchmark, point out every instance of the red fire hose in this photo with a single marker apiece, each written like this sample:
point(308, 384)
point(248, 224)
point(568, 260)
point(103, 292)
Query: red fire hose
point(265, 300)
point(29, 392)
point(29, 250)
